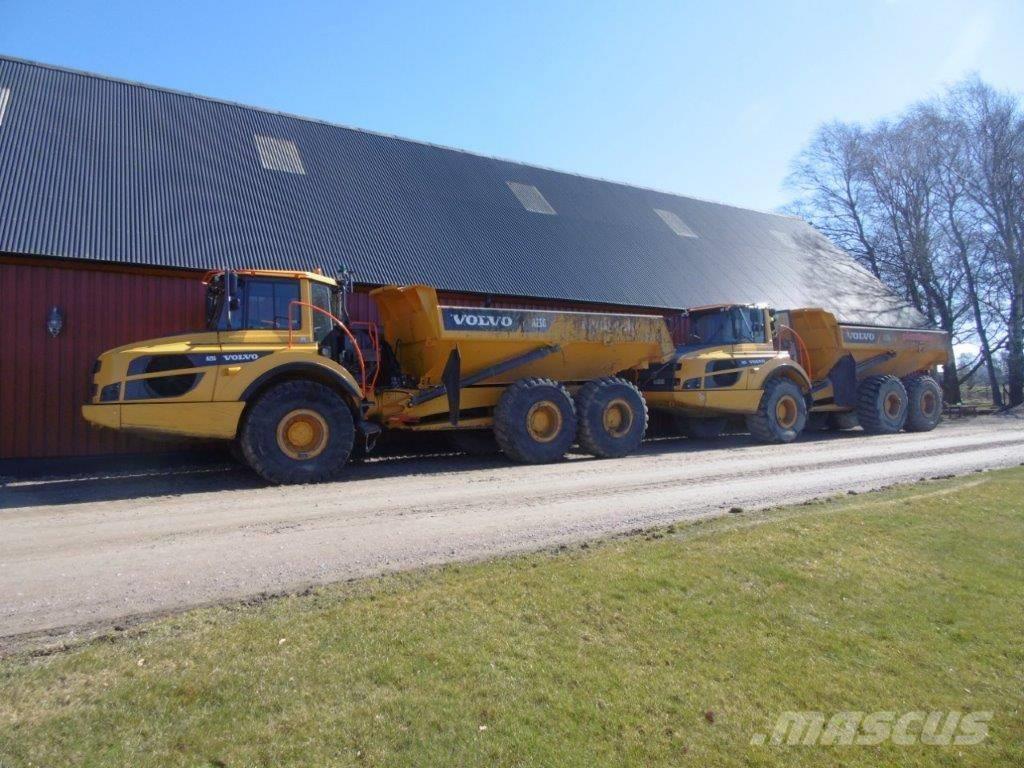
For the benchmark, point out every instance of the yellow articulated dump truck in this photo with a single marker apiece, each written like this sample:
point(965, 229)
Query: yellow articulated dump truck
point(790, 370)
point(282, 370)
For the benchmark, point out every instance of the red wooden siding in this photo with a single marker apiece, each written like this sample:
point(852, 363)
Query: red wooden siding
point(44, 380)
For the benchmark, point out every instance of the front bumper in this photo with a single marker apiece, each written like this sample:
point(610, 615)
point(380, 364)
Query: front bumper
point(211, 420)
point(103, 415)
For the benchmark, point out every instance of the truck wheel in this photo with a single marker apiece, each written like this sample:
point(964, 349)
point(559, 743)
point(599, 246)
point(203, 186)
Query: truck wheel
point(704, 429)
point(782, 414)
point(881, 405)
point(298, 432)
point(534, 421)
point(924, 404)
point(841, 420)
point(611, 417)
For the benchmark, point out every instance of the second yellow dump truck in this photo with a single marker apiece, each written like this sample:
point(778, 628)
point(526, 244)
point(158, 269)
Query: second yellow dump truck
point(281, 370)
point(787, 371)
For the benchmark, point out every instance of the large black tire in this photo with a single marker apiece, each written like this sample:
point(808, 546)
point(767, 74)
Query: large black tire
point(534, 421)
point(704, 429)
point(474, 442)
point(611, 417)
point(298, 432)
point(839, 421)
point(782, 414)
point(881, 405)
point(924, 404)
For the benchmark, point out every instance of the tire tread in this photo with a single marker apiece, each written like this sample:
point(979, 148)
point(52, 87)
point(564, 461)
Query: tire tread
point(587, 435)
point(505, 428)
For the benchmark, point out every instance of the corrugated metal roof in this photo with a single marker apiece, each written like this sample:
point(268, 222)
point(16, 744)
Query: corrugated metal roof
point(96, 168)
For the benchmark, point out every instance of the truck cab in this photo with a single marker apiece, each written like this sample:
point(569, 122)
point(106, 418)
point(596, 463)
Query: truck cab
point(728, 355)
point(258, 325)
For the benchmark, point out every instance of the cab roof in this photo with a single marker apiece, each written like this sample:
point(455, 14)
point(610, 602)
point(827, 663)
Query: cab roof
point(285, 273)
point(709, 307)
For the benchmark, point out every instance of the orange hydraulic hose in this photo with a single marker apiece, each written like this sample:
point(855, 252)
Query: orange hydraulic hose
point(804, 357)
point(355, 343)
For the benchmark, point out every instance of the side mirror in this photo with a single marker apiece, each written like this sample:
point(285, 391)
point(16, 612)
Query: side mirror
point(231, 289)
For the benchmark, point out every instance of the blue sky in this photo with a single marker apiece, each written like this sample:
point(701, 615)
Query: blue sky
point(701, 98)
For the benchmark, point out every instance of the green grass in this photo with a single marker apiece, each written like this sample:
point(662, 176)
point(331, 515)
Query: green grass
point(613, 654)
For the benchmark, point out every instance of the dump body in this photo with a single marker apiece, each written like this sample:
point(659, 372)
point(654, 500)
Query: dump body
point(877, 351)
point(569, 347)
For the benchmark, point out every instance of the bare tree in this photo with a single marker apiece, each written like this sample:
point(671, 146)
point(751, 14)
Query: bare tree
point(932, 202)
point(993, 179)
point(835, 193)
point(966, 235)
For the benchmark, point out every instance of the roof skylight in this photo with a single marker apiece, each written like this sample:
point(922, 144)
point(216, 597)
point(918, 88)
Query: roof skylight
point(675, 223)
point(279, 155)
point(531, 198)
point(5, 98)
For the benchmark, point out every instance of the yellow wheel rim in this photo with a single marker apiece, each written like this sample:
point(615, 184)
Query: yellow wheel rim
point(892, 404)
point(617, 418)
point(928, 404)
point(786, 412)
point(544, 421)
point(302, 434)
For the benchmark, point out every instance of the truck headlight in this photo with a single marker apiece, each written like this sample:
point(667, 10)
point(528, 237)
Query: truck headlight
point(110, 393)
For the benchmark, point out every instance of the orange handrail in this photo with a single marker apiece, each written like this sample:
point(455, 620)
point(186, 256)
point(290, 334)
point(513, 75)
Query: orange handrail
point(355, 343)
point(803, 356)
point(371, 330)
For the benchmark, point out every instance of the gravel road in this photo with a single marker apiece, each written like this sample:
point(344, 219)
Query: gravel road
point(80, 553)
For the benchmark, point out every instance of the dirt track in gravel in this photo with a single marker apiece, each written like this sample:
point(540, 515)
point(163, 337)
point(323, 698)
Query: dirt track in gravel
point(86, 551)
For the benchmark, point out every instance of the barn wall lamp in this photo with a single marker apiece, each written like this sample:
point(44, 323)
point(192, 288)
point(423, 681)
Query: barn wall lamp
point(55, 321)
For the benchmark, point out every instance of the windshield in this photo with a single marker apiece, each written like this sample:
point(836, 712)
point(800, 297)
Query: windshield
point(257, 303)
point(727, 325)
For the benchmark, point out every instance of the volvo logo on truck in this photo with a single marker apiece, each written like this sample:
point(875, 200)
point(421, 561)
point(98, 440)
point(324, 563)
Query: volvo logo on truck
point(483, 321)
point(859, 336)
point(458, 319)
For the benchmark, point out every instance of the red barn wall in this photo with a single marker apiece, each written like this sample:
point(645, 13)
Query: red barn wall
point(44, 380)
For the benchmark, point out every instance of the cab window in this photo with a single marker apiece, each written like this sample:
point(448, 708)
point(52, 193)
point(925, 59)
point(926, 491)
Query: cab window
point(322, 324)
point(267, 304)
point(752, 325)
point(729, 325)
